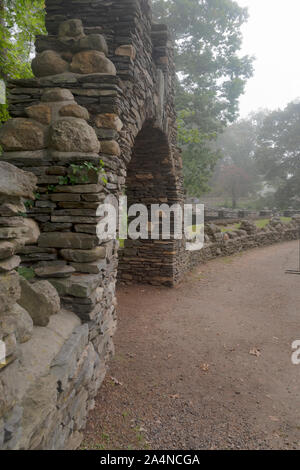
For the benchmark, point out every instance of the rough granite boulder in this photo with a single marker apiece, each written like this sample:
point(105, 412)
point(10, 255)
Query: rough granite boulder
point(22, 134)
point(40, 112)
point(109, 121)
point(33, 232)
point(87, 62)
point(84, 256)
point(71, 134)
point(57, 94)
point(74, 110)
point(40, 299)
point(94, 42)
point(19, 322)
point(49, 63)
point(70, 30)
point(9, 290)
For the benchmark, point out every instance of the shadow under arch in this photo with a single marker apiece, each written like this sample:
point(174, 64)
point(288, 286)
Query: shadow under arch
point(150, 180)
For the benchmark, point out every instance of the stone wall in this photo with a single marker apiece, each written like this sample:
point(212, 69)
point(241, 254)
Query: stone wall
point(218, 243)
point(97, 120)
point(98, 117)
point(51, 366)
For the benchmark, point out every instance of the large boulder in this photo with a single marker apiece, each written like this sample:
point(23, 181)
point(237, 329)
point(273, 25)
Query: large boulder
point(71, 134)
point(22, 134)
point(33, 232)
point(49, 63)
point(9, 290)
point(87, 62)
point(94, 42)
point(74, 110)
point(16, 182)
point(70, 30)
point(40, 299)
point(109, 121)
point(19, 322)
point(57, 94)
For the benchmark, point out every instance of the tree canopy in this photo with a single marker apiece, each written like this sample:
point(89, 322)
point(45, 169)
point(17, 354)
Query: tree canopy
point(211, 76)
point(278, 153)
point(21, 21)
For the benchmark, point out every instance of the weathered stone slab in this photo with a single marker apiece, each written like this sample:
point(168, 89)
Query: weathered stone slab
point(79, 241)
point(12, 232)
point(57, 94)
point(55, 270)
point(7, 249)
point(22, 134)
point(33, 232)
point(40, 299)
point(10, 290)
point(84, 256)
point(17, 183)
point(23, 323)
point(76, 286)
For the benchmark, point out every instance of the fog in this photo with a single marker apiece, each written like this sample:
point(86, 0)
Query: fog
point(272, 36)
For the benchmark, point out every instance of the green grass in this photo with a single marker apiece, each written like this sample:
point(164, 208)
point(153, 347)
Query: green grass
point(260, 223)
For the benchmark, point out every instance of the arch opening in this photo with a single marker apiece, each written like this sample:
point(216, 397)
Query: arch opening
point(150, 181)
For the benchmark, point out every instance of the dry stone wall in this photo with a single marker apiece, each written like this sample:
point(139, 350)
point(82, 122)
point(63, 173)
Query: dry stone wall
point(218, 243)
point(97, 120)
point(102, 97)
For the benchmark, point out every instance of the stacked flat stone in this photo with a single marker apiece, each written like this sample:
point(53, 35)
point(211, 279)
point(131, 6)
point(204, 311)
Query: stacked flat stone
point(87, 86)
point(22, 305)
point(15, 322)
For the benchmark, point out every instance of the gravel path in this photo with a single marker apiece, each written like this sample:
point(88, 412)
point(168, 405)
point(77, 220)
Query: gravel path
point(206, 365)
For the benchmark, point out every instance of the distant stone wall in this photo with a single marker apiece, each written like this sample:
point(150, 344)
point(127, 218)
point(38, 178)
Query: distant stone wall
point(218, 243)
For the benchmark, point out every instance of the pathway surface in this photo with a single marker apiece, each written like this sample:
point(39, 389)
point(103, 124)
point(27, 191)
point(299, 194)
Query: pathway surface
point(206, 365)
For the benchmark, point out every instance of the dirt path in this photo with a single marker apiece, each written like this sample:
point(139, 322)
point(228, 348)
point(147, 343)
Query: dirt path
point(183, 376)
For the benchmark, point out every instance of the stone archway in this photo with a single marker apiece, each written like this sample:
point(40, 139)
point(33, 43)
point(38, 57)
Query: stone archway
point(103, 90)
point(150, 181)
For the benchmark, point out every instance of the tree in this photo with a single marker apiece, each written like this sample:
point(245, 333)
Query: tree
point(211, 75)
point(237, 174)
point(21, 21)
point(278, 153)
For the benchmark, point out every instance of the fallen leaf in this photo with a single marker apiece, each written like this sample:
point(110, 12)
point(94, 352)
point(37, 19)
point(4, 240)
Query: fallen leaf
point(255, 352)
point(116, 381)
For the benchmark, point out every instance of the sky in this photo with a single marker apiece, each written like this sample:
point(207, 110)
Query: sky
point(272, 35)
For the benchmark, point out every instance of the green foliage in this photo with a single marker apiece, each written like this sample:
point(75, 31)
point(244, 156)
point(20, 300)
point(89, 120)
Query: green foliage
point(211, 77)
point(27, 273)
point(20, 22)
point(80, 173)
point(278, 153)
